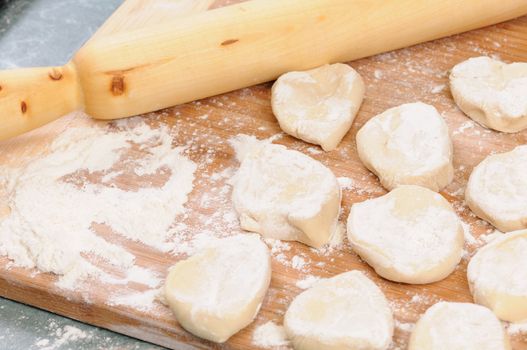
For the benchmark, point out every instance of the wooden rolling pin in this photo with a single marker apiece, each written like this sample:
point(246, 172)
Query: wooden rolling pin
point(213, 52)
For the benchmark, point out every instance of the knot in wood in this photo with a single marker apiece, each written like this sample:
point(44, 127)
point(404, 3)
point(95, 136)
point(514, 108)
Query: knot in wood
point(117, 87)
point(55, 74)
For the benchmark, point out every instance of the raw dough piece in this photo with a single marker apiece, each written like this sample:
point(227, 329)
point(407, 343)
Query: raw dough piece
point(497, 276)
point(284, 194)
point(407, 145)
point(458, 326)
point(497, 190)
point(492, 92)
point(347, 311)
point(318, 105)
point(219, 291)
point(409, 235)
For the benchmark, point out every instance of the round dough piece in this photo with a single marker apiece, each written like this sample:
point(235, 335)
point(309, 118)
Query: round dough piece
point(497, 190)
point(458, 326)
point(284, 194)
point(318, 105)
point(409, 235)
point(407, 145)
point(219, 290)
point(347, 311)
point(491, 92)
point(497, 276)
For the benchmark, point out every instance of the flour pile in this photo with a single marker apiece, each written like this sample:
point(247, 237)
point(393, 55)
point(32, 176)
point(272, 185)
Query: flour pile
point(59, 201)
point(269, 335)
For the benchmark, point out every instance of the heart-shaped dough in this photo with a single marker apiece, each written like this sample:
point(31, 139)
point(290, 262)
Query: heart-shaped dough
point(318, 105)
point(491, 92)
point(219, 290)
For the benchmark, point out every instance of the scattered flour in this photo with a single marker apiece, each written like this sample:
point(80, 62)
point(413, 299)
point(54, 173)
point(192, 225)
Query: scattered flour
point(307, 282)
point(136, 274)
point(459, 192)
point(469, 238)
point(42, 342)
point(438, 88)
point(275, 137)
point(73, 189)
point(417, 299)
point(298, 262)
point(336, 242)
point(345, 183)
point(469, 124)
point(63, 336)
point(378, 74)
point(403, 326)
point(245, 144)
point(277, 246)
point(314, 150)
point(270, 335)
point(188, 245)
point(278, 249)
point(142, 301)
point(517, 328)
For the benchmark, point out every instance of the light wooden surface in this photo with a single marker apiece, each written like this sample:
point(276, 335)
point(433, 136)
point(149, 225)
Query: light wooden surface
point(137, 14)
point(417, 73)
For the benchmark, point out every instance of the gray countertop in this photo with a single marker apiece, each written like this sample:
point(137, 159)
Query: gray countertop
point(43, 33)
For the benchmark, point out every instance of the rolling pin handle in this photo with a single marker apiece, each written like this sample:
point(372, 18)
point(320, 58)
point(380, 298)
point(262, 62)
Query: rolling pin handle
point(32, 97)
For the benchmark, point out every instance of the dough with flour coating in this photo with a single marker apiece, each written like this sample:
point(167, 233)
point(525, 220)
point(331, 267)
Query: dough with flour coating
point(497, 190)
point(407, 145)
point(285, 194)
point(458, 326)
point(318, 105)
point(492, 92)
point(497, 276)
point(219, 290)
point(347, 311)
point(410, 235)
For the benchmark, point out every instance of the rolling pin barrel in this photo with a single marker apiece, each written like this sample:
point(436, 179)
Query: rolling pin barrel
point(233, 47)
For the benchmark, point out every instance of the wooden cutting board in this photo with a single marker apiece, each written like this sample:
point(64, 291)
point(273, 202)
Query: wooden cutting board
point(419, 73)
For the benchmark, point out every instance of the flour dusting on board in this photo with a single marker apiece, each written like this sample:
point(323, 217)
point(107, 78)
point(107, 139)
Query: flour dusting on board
point(270, 335)
point(308, 282)
point(58, 200)
point(517, 329)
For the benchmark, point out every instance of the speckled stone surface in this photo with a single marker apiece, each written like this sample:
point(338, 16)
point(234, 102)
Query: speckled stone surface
point(48, 32)
point(42, 33)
